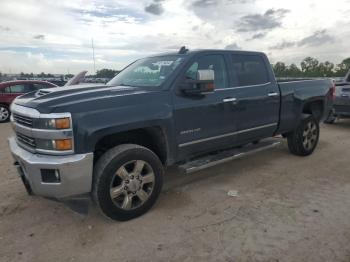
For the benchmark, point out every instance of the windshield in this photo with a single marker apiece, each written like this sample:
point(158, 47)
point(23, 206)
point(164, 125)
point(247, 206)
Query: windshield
point(147, 72)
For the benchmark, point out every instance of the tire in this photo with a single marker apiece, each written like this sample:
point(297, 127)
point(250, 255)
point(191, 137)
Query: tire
point(331, 118)
point(128, 170)
point(4, 114)
point(304, 139)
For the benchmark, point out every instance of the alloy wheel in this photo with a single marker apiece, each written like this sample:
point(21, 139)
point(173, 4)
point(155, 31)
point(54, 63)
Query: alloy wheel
point(4, 113)
point(132, 184)
point(310, 136)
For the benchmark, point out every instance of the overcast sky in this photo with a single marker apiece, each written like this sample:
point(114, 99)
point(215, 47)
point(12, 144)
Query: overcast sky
point(55, 35)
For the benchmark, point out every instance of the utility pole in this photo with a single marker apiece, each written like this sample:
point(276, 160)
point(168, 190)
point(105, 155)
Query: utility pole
point(93, 54)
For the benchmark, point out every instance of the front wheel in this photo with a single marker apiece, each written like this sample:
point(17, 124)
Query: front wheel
point(4, 114)
point(304, 139)
point(127, 181)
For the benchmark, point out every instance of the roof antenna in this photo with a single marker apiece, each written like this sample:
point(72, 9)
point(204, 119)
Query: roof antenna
point(183, 50)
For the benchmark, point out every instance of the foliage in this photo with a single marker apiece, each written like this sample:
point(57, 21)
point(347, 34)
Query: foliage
point(311, 67)
point(106, 73)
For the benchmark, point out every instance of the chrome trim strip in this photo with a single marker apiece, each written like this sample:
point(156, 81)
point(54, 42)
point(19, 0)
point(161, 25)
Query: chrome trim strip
point(43, 133)
point(226, 135)
point(239, 87)
point(272, 94)
point(229, 100)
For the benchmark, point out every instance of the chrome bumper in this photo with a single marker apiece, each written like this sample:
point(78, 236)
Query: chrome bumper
point(75, 172)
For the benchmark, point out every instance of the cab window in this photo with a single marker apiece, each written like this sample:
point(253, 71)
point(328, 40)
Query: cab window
point(249, 70)
point(213, 62)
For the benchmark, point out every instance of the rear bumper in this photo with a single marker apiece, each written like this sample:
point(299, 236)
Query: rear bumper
point(342, 108)
point(75, 172)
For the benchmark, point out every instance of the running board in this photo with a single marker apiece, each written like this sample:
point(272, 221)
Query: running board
point(228, 155)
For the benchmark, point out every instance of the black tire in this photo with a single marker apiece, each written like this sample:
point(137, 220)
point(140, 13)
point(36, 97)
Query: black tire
point(331, 118)
point(4, 113)
point(105, 173)
point(304, 139)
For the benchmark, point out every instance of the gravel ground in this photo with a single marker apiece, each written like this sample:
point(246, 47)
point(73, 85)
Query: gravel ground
point(288, 208)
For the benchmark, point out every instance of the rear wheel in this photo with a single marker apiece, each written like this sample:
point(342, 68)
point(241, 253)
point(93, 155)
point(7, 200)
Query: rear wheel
point(127, 181)
point(304, 139)
point(4, 114)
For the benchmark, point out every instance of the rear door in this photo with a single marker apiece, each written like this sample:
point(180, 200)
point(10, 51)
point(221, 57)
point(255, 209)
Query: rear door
point(258, 98)
point(205, 122)
point(6, 96)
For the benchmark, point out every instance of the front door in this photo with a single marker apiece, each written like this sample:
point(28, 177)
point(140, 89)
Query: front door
point(204, 123)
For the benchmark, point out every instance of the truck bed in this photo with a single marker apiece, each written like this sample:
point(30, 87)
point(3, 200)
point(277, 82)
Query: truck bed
point(295, 93)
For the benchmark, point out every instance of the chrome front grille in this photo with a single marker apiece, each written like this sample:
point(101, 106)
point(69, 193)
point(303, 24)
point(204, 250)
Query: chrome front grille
point(23, 120)
point(33, 136)
point(26, 140)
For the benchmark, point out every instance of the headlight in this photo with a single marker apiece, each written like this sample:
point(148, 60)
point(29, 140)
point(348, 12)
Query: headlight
point(57, 123)
point(56, 144)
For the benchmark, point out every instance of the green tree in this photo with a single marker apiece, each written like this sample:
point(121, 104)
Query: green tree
point(325, 69)
point(293, 71)
point(309, 66)
point(280, 69)
point(342, 68)
point(106, 73)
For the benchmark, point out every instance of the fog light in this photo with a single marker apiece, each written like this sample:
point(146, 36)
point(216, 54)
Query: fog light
point(63, 144)
point(50, 176)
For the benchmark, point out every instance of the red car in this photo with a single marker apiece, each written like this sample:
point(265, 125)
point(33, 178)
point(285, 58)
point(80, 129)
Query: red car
point(11, 89)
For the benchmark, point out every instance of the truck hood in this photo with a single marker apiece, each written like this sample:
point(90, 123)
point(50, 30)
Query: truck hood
point(62, 98)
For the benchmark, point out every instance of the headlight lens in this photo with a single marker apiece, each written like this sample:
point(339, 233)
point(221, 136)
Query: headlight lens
point(57, 144)
point(57, 123)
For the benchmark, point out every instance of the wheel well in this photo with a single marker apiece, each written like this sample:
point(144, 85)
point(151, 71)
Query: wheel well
point(315, 108)
point(152, 137)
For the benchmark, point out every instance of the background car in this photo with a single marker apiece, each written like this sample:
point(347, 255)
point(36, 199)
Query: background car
point(341, 106)
point(11, 89)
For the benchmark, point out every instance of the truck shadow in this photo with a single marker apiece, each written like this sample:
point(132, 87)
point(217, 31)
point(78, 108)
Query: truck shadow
point(342, 123)
point(176, 191)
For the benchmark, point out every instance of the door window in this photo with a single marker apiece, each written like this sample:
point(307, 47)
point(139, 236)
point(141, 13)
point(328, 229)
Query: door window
point(213, 62)
point(249, 70)
point(18, 88)
point(40, 86)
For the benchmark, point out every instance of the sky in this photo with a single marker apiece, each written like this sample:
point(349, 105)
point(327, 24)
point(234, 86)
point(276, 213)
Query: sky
point(56, 36)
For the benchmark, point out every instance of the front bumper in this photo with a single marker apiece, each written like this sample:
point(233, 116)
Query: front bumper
point(75, 172)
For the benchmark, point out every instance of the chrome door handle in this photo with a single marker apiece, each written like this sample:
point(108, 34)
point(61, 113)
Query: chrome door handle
point(272, 94)
point(229, 100)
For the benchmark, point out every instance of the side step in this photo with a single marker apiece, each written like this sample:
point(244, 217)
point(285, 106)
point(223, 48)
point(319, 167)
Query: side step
point(228, 155)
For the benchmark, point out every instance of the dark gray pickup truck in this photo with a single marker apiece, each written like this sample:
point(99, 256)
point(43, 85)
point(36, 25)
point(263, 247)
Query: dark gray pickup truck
point(192, 109)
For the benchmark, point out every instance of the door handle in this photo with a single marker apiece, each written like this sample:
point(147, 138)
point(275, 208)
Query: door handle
point(272, 94)
point(231, 99)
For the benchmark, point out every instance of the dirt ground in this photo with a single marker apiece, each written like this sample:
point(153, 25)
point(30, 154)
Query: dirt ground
point(288, 208)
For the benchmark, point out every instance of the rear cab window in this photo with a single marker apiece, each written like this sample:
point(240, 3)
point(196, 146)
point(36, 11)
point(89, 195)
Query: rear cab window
point(248, 70)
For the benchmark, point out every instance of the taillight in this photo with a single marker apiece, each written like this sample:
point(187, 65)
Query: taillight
point(332, 89)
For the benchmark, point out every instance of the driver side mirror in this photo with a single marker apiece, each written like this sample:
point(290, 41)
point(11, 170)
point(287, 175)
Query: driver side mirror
point(204, 84)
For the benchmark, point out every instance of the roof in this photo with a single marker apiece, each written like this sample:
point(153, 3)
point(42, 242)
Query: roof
point(6, 83)
point(198, 51)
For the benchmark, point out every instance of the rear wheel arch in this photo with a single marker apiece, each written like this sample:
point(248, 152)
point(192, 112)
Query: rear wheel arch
point(315, 108)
